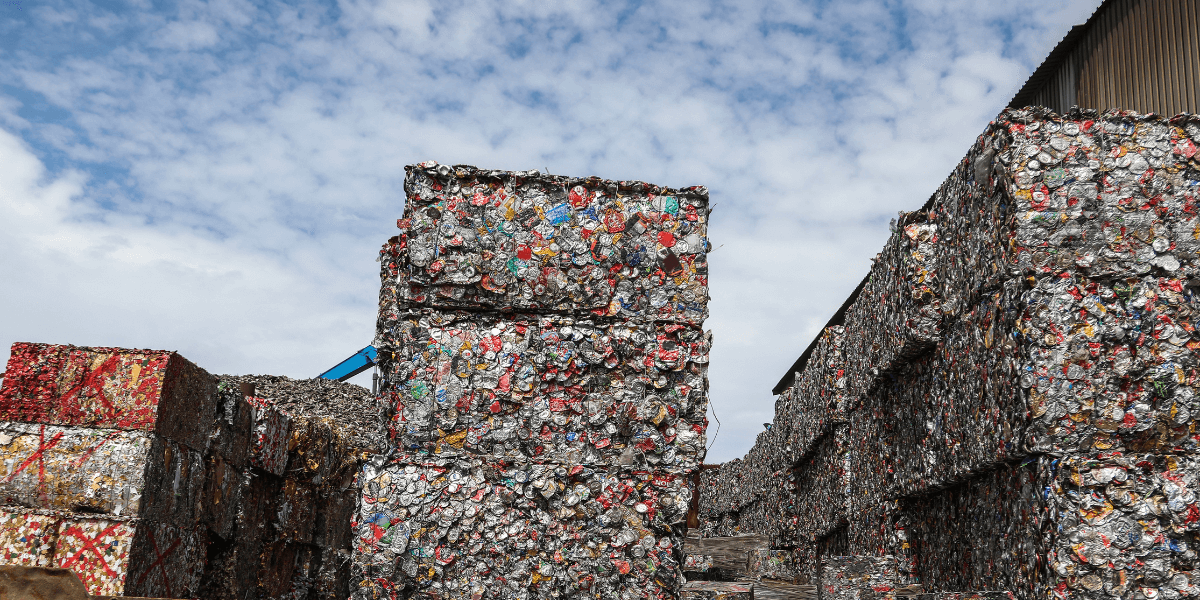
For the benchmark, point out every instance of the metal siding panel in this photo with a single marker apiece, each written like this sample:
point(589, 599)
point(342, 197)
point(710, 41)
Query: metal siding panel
point(1158, 65)
point(1141, 55)
point(1191, 62)
point(1138, 97)
point(1171, 58)
point(1177, 57)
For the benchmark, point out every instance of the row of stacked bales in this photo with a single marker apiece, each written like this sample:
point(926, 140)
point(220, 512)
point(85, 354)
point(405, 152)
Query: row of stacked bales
point(544, 388)
point(148, 476)
point(792, 486)
point(1020, 369)
point(1068, 248)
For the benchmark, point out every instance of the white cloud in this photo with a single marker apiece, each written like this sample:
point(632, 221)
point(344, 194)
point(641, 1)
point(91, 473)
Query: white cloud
point(238, 185)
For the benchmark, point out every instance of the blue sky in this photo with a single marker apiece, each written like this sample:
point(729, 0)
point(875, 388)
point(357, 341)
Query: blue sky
point(216, 178)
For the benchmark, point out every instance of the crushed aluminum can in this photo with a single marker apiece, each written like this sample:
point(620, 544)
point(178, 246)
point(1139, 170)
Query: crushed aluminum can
point(514, 241)
point(717, 590)
point(109, 388)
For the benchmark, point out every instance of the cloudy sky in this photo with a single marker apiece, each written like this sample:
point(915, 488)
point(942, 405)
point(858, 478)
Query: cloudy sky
point(216, 178)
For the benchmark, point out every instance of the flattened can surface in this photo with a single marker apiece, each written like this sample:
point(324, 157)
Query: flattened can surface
point(27, 538)
point(98, 551)
point(270, 437)
point(73, 468)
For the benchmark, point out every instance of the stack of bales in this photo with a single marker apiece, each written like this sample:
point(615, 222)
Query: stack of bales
point(293, 535)
point(544, 390)
point(1020, 369)
point(1045, 445)
point(148, 476)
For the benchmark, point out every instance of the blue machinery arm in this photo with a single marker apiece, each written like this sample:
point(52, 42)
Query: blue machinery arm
point(361, 361)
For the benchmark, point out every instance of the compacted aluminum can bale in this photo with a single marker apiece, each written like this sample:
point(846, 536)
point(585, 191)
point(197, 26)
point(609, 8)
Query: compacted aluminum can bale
point(1077, 526)
point(772, 564)
point(523, 241)
point(490, 527)
point(133, 557)
point(858, 577)
point(110, 388)
point(118, 473)
point(991, 532)
point(823, 483)
point(717, 590)
point(699, 563)
point(73, 468)
point(548, 387)
point(1039, 339)
point(901, 315)
point(819, 399)
point(27, 538)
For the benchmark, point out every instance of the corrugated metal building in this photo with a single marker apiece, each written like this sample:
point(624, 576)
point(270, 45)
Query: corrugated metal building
point(1141, 55)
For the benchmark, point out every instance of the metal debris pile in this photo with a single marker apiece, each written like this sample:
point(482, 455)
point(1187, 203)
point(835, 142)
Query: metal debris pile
point(147, 476)
point(544, 388)
point(1017, 376)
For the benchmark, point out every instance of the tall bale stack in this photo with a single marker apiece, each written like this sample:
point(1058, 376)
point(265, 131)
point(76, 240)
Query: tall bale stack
point(545, 388)
point(1068, 258)
point(104, 469)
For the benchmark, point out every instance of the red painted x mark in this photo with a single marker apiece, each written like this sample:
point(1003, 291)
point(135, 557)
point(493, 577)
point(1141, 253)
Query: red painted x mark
point(88, 453)
point(39, 456)
point(89, 543)
point(158, 562)
point(93, 381)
